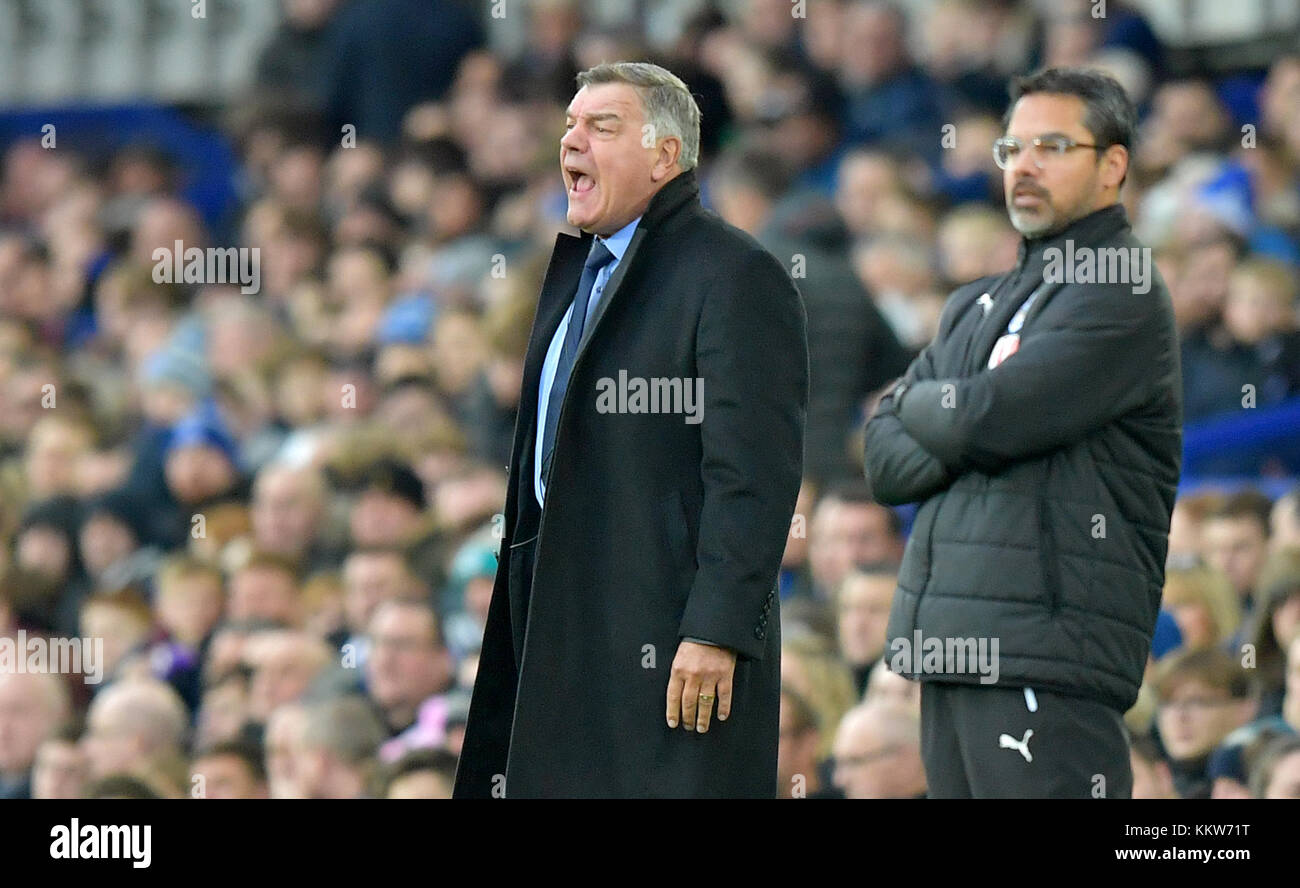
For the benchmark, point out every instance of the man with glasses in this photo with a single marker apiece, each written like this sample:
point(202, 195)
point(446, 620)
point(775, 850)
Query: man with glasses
point(1041, 433)
point(1203, 696)
point(878, 753)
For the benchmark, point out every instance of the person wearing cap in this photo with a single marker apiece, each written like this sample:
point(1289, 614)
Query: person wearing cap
point(202, 467)
point(632, 646)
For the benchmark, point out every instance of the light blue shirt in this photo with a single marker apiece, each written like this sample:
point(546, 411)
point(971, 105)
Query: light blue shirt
point(617, 244)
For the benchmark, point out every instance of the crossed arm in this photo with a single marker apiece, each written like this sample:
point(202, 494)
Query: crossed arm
point(1078, 373)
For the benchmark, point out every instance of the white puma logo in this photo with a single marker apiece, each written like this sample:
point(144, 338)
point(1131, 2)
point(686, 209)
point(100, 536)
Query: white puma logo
point(986, 302)
point(1006, 741)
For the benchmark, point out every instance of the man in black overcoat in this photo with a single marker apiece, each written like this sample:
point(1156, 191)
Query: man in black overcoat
point(632, 646)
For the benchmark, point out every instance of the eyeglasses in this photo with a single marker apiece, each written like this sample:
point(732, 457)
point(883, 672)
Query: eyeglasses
point(1008, 148)
point(1199, 704)
point(866, 758)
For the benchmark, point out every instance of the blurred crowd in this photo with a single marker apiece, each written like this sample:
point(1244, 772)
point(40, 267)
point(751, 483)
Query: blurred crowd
point(279, 510)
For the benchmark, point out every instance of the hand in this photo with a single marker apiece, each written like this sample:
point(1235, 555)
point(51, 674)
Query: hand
point(700, 669)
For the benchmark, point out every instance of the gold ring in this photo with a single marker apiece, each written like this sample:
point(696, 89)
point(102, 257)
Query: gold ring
point(706, 698)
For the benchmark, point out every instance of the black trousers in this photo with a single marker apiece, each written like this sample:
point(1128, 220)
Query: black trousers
point(992, 741)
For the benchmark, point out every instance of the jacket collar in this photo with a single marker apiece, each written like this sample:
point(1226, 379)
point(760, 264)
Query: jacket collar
point(1094, 228)
point(668, 200)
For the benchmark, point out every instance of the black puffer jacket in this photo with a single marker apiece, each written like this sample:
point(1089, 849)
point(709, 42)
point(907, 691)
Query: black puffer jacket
point(1047, 482)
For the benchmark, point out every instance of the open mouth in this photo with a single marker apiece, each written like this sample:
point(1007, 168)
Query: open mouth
point(580, 182)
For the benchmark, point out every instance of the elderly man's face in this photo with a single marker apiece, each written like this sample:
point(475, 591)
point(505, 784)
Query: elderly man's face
point(609, 172)
point(27, 716)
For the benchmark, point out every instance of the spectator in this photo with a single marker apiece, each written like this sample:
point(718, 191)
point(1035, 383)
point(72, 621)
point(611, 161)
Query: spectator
point(849, 528)
point(1203, 696)
point(60, 769)
point(408, 673)
point(1278, 775)
point(1235, 538)
point(878, 753)
point(1284, 521)
point(421, 774)
point(32, 706)
point(1204, 605)
point(335, 754)
point(137, 728)
point(862, 605)
point(801, 770)
point(229, 770)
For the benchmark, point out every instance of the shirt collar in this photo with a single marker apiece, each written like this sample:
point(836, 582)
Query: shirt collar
point(617, 242)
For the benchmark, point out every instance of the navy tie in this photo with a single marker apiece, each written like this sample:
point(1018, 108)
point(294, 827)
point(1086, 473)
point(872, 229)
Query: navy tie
point(598, 258)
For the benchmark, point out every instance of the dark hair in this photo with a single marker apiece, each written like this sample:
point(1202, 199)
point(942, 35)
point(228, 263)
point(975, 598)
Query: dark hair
point(1210, 666)
point(756, 168)
point(439, 761)
point(249, 754)
point(121, 786)
point(1109, 116)
point(857, 492)
point(1248, 503)
point(1262, 768)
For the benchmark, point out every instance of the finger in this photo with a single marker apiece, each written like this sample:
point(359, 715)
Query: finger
point(705, 712)
point(724, 699)
point(690, 701)
point(674, 700)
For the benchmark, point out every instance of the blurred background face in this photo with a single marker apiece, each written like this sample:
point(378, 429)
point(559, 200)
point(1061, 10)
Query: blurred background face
point(104, 541)
point(1254, 310)
point(1195, 623)
point(1238, 547)
point(863, 614)
point(1195, 719)
point(369, 579)
point(197, 473)
point(222, 713)
point(61, 771)
point(227, 777)
point(1286, 625)
point(405, 665)
point(285, 664)
point(27, 717)
point(869, 765)
point(845, 534)
point(286, 512)
point(189, 607)
point(381, 519)
point(1285, 782)
point(605, 167)
point(263, 593)
point(45, 550)
point(53, 452)
point(796, 752)
point(283, 736)
point(122, 630)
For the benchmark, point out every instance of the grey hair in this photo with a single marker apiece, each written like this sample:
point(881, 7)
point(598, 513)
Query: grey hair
point(669, 106)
